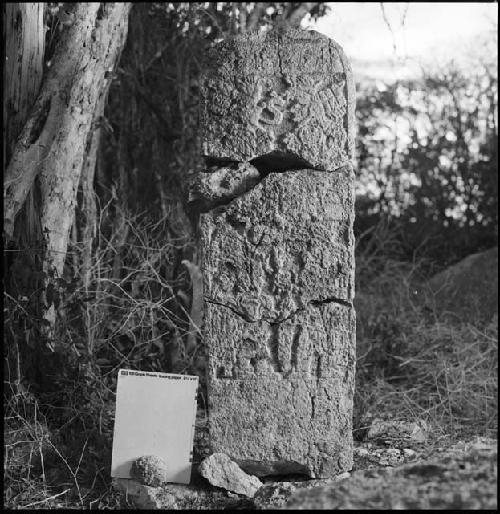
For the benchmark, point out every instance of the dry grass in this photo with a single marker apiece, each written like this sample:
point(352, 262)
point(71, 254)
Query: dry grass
point(130, 312)
point(414, 362)
point(447, 377)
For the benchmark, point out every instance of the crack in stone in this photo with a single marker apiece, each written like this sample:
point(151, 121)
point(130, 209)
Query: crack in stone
point(273, 346)
point(346, 303)
point(265, 165)
point(280, 64)
point(294, 351)
point(280, 162)
point(273, 162)
point(313, 303)
point(239, 314)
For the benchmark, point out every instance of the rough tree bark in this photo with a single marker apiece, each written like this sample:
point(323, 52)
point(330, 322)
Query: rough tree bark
point(88, 204)
point(24, 41)
point(54, 142)
point(24, 37)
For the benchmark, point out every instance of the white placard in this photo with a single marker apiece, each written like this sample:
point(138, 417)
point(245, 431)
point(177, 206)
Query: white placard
point(155, 415)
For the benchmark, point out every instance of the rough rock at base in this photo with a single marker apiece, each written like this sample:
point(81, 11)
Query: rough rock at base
point(174, 497)
point(149, 470)
point(460, 478)
point(222, 472)
point(276, 494)
point(414, 431)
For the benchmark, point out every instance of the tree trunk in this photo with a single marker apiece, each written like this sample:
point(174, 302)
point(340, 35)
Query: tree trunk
point(54, 141)
point(88, 204)
point(24, 37)
point(24, 34)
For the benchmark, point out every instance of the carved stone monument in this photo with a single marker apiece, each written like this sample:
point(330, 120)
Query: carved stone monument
point(277, 244)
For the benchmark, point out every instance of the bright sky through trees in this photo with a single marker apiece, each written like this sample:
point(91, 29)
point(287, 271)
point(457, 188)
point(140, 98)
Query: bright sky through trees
point(373, 34)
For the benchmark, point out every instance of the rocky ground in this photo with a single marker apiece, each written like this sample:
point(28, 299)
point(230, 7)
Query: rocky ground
point(462, 477)
point(388, 473)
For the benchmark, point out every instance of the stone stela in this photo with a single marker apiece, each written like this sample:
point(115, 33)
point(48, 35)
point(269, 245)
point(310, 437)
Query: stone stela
point(276, 236)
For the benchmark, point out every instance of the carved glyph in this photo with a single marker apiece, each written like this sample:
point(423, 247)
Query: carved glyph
point(297, 100)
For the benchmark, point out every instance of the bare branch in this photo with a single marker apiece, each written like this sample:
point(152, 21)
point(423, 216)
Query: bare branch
point(403, 18)
point(389, 27)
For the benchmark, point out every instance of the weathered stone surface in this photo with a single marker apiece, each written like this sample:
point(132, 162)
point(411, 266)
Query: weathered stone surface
point(397, 430)
point(276, 494)
point(278, 257)
point(143, 497)
point(278, 281)
point(221, 471)
point(315, 342)
point(149, 470)
point(175, 497)
point(457, 479)
point(221, 184)
point(301, 422)
point(284, 244)
point(288, 92)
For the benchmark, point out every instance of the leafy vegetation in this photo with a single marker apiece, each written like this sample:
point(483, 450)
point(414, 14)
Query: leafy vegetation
point(428, 157)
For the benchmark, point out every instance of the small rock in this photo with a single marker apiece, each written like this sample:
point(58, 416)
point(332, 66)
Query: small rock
point(274, 495)
point(149, 470)
point(221, 471)
point(361, 452)
point(394, 456)
point(220, 185)
point(409, 453)
point(174, 496)
point(413, 431)
point(482, 443)
point(419, 431)
point(141, 496)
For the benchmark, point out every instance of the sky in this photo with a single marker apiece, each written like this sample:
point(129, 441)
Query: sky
point(419, 31)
